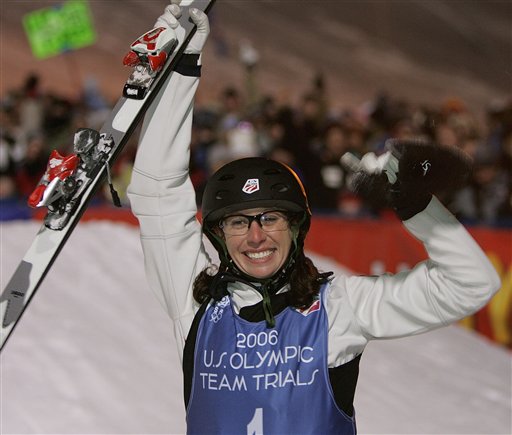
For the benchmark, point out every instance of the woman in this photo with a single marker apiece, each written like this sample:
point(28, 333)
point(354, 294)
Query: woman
point(269, 344)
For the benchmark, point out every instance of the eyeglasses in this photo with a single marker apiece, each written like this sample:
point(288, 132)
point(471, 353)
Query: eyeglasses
point(238, 225)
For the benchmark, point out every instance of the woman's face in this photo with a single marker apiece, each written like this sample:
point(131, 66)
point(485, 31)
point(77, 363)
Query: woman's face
point(260, 253)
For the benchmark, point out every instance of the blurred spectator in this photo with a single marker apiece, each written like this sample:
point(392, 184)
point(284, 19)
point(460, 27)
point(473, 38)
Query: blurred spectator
point(33, 165)
point(506, 164)
point(486, 199)
point(7, 144)
point(204, 137)
point(31, 108)
point(231, 109)
point(11, 207)
point(58, 123)
point(238, 142)
point(94, 104)
point(324, 175)
point(355, 132)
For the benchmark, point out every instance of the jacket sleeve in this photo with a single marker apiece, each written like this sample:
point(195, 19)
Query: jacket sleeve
point(163, 199)
point(455, 281)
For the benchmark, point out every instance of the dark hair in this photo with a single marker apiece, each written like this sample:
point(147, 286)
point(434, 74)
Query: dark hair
point(304, 279)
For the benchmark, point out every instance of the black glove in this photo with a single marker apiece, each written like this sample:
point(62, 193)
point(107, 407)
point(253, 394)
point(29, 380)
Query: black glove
point(409, 173)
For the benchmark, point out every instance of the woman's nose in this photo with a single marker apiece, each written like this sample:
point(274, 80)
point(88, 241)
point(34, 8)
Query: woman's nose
point(256, 233)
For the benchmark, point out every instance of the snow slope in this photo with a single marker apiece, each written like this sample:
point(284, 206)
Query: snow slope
point(94, 353)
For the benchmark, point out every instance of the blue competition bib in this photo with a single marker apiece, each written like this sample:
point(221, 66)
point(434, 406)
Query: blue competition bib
point(249, 379)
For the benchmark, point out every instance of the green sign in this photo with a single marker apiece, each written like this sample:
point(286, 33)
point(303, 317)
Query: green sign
point(60, 28)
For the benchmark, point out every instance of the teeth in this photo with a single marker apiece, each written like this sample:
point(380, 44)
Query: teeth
point(258, 255)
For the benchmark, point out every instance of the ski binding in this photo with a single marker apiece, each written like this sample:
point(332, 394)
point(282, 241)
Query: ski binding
point(147, 56)
point(67, 177)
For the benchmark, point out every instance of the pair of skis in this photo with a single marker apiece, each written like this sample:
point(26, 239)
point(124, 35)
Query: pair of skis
point(67, 194)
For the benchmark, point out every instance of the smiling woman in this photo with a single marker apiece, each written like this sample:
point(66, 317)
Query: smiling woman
point(256, 214)
point(264, 332)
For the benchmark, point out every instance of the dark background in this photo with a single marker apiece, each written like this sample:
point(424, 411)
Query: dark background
point(423, 51)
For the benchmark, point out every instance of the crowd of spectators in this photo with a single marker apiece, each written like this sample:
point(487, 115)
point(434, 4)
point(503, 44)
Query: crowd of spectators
point(308, 136)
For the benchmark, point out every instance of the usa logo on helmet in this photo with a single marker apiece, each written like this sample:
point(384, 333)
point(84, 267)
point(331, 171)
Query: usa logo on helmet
point(251, 185)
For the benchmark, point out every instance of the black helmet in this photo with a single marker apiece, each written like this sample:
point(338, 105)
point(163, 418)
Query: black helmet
point(252, 183)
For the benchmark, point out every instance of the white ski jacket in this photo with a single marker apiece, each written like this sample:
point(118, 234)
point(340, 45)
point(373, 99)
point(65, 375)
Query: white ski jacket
point(453, 283)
